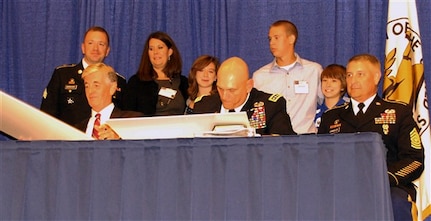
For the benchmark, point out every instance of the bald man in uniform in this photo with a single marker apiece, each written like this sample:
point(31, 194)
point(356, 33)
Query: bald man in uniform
point(367, 112)
point(266, 112)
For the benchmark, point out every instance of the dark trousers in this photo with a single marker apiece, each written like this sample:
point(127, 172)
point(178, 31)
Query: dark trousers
point(401, 205)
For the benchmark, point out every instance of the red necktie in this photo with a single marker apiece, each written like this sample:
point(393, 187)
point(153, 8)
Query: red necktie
point(96, 123)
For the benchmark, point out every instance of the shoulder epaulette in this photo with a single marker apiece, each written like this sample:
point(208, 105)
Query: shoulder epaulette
point(345, 105)
point(65, 66)
point(121, 76)
point(275, 97)
point(341, 105)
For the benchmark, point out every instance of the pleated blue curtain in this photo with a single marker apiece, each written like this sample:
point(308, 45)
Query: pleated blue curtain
point(265, 178)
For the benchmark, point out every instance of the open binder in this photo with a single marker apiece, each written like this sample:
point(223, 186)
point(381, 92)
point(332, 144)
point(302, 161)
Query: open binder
point(183, 126)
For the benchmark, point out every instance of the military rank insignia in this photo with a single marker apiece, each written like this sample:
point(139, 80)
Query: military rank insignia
point(274, 97)
point(386, 118)
point(258, 118)
point(45, 93)
point(415, 139)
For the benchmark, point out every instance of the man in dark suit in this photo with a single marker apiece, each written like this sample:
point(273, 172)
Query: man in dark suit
point(100, 82)
point(394, 121)
point(64, 97)
point(266, 112)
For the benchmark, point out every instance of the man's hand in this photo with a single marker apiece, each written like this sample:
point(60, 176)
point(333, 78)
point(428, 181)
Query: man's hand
point(107, 133)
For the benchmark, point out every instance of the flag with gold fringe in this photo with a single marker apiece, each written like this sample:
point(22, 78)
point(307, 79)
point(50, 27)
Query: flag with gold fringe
point(404, 81)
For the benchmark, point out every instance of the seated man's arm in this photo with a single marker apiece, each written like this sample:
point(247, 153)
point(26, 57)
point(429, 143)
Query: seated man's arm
point(277, 118)
point(408, 164)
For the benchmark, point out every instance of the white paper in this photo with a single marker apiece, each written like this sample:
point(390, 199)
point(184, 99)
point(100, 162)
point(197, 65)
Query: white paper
point(24, 122)
point(178, 126)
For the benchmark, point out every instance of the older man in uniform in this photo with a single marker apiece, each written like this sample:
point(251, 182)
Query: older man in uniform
point(394, 121)
point(64, 97)
point(266, 112)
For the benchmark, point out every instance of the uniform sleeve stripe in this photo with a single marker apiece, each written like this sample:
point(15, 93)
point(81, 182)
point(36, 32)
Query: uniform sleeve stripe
point(408, 169)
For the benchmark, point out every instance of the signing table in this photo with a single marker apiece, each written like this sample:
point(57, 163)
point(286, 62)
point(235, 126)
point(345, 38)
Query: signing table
point(304, 177)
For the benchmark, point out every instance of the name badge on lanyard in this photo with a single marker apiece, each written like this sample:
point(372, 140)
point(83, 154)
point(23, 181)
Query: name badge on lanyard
point(167, 92)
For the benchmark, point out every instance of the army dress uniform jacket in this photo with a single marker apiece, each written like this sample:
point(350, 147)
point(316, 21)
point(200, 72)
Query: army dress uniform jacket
point(116, 113)
point(64, 97)
point(394, 121)
point(266, 112)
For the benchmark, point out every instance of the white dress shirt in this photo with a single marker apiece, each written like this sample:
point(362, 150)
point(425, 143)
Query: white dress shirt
point(105, 115)
point(366, 103)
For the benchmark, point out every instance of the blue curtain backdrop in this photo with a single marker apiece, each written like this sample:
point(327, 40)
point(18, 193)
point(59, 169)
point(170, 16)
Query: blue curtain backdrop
point(38, 35)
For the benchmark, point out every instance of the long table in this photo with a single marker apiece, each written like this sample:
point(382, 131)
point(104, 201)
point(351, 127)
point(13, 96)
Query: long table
point(304, 177)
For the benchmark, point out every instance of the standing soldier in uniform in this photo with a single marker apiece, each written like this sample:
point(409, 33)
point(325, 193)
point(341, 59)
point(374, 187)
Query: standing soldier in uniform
point(64, 97)
point(266, 112)
point(394, 121)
